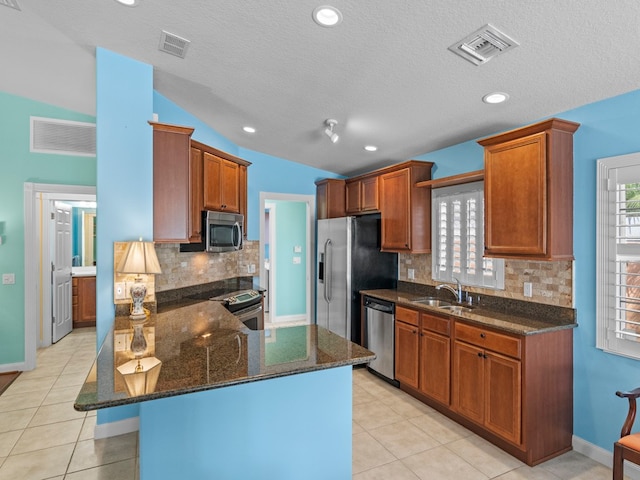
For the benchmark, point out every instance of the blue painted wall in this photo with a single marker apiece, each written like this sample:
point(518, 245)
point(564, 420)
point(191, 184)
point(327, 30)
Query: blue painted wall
point(124, 104)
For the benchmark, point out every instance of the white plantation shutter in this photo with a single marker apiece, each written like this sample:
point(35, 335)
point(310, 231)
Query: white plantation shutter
point(618, 255)
point(458, 238)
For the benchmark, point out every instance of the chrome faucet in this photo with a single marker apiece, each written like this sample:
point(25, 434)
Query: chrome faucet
point(456, 291)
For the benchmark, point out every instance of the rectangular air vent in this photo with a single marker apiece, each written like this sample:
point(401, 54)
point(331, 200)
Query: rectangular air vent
point(63, 137)
point(173, 44)
point(10, 3)
point(482, 45)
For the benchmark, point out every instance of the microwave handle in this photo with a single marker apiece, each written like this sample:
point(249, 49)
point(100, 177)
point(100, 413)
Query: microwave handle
point(238, 246)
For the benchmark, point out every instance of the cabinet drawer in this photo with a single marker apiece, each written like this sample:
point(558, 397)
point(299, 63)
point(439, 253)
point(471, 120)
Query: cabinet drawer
point(488, 339)
point(408, 316)
point(435, 324)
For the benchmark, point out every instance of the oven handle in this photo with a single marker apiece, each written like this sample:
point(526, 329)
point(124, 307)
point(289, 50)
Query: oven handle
point(248, 311)
point(238, 245)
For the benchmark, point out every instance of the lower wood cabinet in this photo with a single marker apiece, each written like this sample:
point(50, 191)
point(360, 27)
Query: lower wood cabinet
point(83, 310)
point(407, 346)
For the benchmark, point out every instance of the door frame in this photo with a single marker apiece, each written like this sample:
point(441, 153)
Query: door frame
point(310, 200)
point(38, 201)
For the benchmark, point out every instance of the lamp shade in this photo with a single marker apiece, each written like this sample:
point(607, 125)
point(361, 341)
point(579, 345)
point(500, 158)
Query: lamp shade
point(140, 257)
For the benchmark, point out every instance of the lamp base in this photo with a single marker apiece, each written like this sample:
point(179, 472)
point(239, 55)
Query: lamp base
point(138, 292)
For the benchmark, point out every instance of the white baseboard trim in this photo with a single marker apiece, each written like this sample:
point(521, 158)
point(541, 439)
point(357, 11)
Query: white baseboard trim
point(112, 429)
point(605, 457)
point(289, 318)
point(14, 367)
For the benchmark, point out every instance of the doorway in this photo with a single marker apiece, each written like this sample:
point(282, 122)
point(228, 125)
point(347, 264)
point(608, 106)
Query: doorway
point(287, 256)
point(40, 204)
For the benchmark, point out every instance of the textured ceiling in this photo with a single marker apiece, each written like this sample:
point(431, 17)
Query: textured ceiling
point(384, 73)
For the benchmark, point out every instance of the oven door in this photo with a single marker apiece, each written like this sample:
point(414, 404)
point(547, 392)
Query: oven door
point(252, 317)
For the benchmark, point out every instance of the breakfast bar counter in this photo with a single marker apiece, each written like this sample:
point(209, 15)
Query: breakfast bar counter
point(218, 400)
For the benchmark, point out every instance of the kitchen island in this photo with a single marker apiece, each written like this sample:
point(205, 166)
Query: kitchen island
point(218, 400)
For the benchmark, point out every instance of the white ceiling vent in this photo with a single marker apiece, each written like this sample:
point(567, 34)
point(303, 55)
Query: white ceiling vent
point(173, 44)
point(483, 45)
point(10, 3)
point(63, 137)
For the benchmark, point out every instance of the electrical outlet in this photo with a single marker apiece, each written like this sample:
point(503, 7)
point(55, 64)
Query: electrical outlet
point(411, 274)
point(528, 289)
point(119, 292)
point(297, 260)
point(8, 278)
point(251, 268)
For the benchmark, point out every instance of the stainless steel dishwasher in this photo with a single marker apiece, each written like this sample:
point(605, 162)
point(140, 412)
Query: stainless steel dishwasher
point(380, 336)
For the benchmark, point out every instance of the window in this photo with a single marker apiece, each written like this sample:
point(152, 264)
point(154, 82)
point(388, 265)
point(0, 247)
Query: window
point(618, 255)
point(458, 238)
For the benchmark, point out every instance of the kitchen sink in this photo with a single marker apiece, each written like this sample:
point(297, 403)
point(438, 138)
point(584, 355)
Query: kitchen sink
point(456, 309)
point(433, 302)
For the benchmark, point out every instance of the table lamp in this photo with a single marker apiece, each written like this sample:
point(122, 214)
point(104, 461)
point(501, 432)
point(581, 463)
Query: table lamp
point(139, 258)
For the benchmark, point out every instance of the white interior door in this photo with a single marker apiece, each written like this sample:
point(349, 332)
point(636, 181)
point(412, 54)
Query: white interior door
point(61, 272)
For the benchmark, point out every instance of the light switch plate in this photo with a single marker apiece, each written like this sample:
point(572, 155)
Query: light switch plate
point(528, 289)
point(411, 274)
point(119, 292)
point(8, 278)
point(297, 260)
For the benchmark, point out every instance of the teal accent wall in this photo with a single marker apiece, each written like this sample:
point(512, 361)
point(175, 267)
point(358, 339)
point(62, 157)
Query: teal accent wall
point(291, 279)
point(19, 165)
point(124, 105)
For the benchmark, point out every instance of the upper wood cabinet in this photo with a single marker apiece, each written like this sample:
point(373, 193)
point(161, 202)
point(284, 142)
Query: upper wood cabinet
point(221, 184)
point(362, 195)
point(330, 198)
point(172, 177)
point(405, 208)
point(197, 196)
point(529, 192)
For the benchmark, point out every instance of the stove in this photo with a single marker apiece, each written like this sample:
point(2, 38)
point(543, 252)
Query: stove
point(246, 305)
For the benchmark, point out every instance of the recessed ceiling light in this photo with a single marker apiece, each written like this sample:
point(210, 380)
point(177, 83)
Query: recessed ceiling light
point(327, 16)
point(249, 129)
point(495, 97)
point(128, 3)
point(370, 148)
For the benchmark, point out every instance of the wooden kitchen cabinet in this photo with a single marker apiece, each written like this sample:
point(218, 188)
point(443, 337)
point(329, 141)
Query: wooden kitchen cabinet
point(197, 196)
point(330, 198)
point(362, 195)
point(406, 209)
point(407, 346)
point(172, 187)
point(435, 358)
point(529, 192)
point(83, 311)
point(221, 184)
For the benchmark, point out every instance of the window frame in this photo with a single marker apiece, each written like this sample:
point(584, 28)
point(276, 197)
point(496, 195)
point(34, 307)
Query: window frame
point(464, 192)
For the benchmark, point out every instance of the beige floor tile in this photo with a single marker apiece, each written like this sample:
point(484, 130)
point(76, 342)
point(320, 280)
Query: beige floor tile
point(93, 453)
point(368, 453)
point(61, 395)
point(406, 406)
point(9, 403)
point(37, 465)
point(528, 473)
point(78, 368)
point(572, 465)
point(38, 438)
point(16, 420)
point(403, 439)
point(484, 456)
point(441, 464)
point(375, 414)
point(70, 380)
point(43, 371)
point(59, 412)
point(26, 385)
point(391, 471)
point(8, 441)
point(124, 470)
point(360, 395)
point(88, 428)
point(440, 427)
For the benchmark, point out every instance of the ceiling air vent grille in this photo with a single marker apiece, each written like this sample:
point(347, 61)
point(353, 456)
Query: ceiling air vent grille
point(10, 3)
point(173, 44)
point(482, 45)
point(63, 137)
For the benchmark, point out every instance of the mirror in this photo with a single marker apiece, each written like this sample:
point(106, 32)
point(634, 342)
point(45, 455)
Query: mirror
point(84, 220)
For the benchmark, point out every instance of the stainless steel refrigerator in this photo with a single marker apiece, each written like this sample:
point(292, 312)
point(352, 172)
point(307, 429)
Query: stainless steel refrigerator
point(349, 260)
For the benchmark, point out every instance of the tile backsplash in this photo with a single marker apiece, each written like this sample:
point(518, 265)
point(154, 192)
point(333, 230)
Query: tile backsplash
point(552, 281)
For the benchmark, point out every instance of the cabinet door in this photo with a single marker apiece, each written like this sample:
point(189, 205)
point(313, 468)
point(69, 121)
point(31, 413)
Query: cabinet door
point(242, 184)
point(406, 354)
point(468, 381)
point(369, 193)
point(503, 396)
point(353, 198)
point(516, 197)
point(395, 224)
point(221, 180)
point(86, 301)
point(197, 196)
point(434, 366)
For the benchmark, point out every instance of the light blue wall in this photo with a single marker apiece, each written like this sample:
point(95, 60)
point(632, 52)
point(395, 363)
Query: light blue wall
point(291, 279)
point(608, 128)
point(124, 104)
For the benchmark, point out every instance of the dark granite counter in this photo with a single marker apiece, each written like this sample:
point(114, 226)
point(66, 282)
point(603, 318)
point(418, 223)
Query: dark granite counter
point(546, 319)
point(201, 346)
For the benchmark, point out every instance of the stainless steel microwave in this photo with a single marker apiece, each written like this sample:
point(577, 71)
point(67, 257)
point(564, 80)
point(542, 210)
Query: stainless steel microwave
point(223, 231)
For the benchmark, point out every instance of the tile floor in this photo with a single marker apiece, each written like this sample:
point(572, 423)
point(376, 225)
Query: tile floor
point(394, 436)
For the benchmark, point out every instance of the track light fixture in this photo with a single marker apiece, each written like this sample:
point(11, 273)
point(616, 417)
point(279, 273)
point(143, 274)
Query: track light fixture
point(331, 123)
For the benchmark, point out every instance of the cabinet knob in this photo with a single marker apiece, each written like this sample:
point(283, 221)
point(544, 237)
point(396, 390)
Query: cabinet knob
point(415, 331)
point(480, 354)
point(482, 335)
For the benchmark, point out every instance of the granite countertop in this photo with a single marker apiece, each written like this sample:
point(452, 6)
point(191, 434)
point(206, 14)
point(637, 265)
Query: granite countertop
point(202, 346)
point(521, 324)
point(89, 271)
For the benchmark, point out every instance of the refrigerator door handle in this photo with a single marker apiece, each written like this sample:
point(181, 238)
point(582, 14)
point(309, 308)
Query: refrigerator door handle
point(327, 270)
